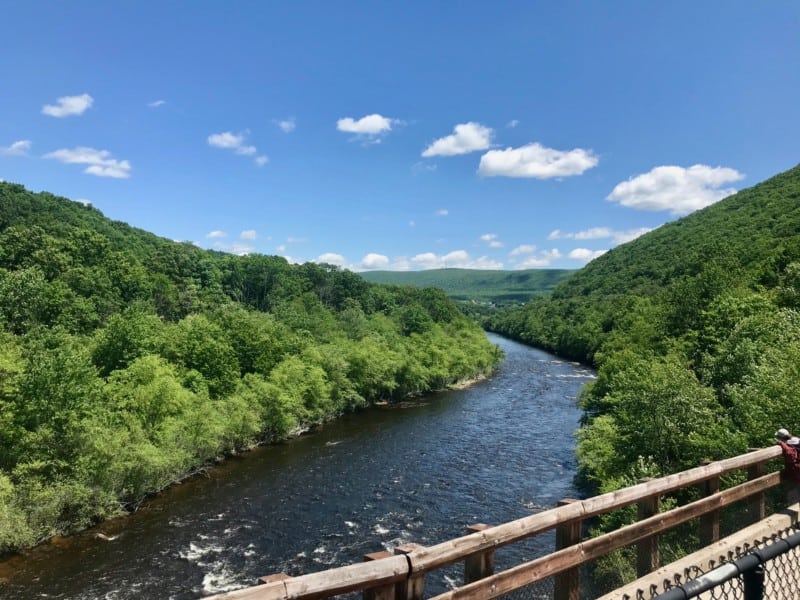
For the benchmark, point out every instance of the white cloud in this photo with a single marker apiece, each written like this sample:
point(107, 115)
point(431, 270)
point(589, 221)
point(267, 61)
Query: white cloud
point(332, 258)
point(287, 125)
point(542, 259)
point(676, 189)
point(584, 254)
point(238, 248)
point(228, 140)
point(599, 233)
point(523, 249)
point(512, 123)
point(83, 201)
point(371, 125)
point(466, 137)
point(19, 148)
point(442, 212)
point(216, 234)
point(491, 239)
point(281, 248)
point(457, 259)
point(68, 105)
point(156, 103)
point(423, 167)
point(100, 162)
point(537, 161)
point(248, 234)
point(375, 261)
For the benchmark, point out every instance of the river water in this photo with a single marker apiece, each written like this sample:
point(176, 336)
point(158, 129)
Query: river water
point(418, 471)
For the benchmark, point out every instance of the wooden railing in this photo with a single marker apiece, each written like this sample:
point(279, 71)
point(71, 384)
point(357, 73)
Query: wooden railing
point(400, 576)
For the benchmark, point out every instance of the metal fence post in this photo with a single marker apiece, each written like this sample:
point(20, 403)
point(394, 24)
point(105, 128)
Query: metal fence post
point(754, 583)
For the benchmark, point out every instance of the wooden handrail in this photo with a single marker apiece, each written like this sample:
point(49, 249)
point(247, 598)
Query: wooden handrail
point(362, 576)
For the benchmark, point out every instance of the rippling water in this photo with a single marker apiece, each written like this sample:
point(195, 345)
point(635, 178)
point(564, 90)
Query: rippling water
point(418, 471)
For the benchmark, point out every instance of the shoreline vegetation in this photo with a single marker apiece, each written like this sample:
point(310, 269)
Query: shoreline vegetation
point(128, 361)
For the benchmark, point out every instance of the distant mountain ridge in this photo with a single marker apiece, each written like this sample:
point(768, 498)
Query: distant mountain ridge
point(477, 284)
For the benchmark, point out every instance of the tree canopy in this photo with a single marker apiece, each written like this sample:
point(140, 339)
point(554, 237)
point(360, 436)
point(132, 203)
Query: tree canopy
point(128, 361)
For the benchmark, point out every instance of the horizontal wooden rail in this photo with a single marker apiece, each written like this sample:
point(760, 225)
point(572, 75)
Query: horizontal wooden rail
point(578, 554)
point(420, 560)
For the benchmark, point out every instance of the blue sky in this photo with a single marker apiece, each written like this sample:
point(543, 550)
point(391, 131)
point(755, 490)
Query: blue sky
point(399, 135)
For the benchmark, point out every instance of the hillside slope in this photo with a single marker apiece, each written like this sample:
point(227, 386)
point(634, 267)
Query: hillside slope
point(128, 361)
point(695, 329)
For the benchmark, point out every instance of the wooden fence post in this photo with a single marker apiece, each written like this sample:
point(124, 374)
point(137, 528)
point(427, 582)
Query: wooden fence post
point(756, 505)
point(709, 523)
point(568, 583)
point(480, 565)
point(647, 550)
point(384, 592)
point(412, 588)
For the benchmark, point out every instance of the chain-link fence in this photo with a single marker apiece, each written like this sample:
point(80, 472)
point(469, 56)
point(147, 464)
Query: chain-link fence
point(771, 570)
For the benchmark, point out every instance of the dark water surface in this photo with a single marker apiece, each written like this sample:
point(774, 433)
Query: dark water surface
point(414, 472)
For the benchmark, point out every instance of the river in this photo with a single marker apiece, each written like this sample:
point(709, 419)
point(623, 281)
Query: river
point(418, 471)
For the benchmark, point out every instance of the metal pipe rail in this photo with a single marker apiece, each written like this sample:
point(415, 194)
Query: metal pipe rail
point(401, 576)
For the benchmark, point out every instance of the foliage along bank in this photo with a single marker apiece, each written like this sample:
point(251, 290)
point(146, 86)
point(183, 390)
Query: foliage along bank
point(128, 361)
point(695, 331)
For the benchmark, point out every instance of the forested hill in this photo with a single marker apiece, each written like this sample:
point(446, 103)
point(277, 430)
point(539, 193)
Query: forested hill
point(481, 285)
point(127, 360)
point(696, 332)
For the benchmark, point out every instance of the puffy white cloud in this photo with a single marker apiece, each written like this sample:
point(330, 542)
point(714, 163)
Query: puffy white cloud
point(68, 105)
point(228, 140)
point(238, 248)
point(332, 258)
point(371, 125)
point(442, 212)
point(216, 234)
point(676, 189)
point(458, 259)
point(523, 249)
point(248, 234)
point(600, 233)
point(491, 239)
point(540, 260)
point(536, 161)
point(584, 254)
point(287, 125)
point(18, 148)
point(156, 103)
point(375, 261)
point(466, 137)
point(100, 162)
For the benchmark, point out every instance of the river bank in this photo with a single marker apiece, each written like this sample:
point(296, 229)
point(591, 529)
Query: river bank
point(416, 471)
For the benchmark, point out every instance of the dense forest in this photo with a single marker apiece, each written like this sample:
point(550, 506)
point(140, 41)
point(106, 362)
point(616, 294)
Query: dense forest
point(129, 361)
point(695, 331)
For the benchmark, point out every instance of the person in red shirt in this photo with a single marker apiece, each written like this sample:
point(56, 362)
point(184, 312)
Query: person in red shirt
point(790, 445)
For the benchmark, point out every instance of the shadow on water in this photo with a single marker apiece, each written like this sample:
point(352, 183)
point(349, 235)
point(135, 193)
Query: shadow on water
point(418, 471)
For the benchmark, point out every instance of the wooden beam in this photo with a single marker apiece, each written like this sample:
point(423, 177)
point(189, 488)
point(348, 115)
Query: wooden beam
point(756, 505)
point(647, 550)
point(412, 588)
point(381, 592)
point(709, 523)
point(481, 564)
point(536, 570)
point(451, 551)
point(568, 583)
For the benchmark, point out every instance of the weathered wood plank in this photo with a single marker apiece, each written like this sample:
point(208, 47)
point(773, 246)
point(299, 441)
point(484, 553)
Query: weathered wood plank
point(533, 571)
point(452, 551)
